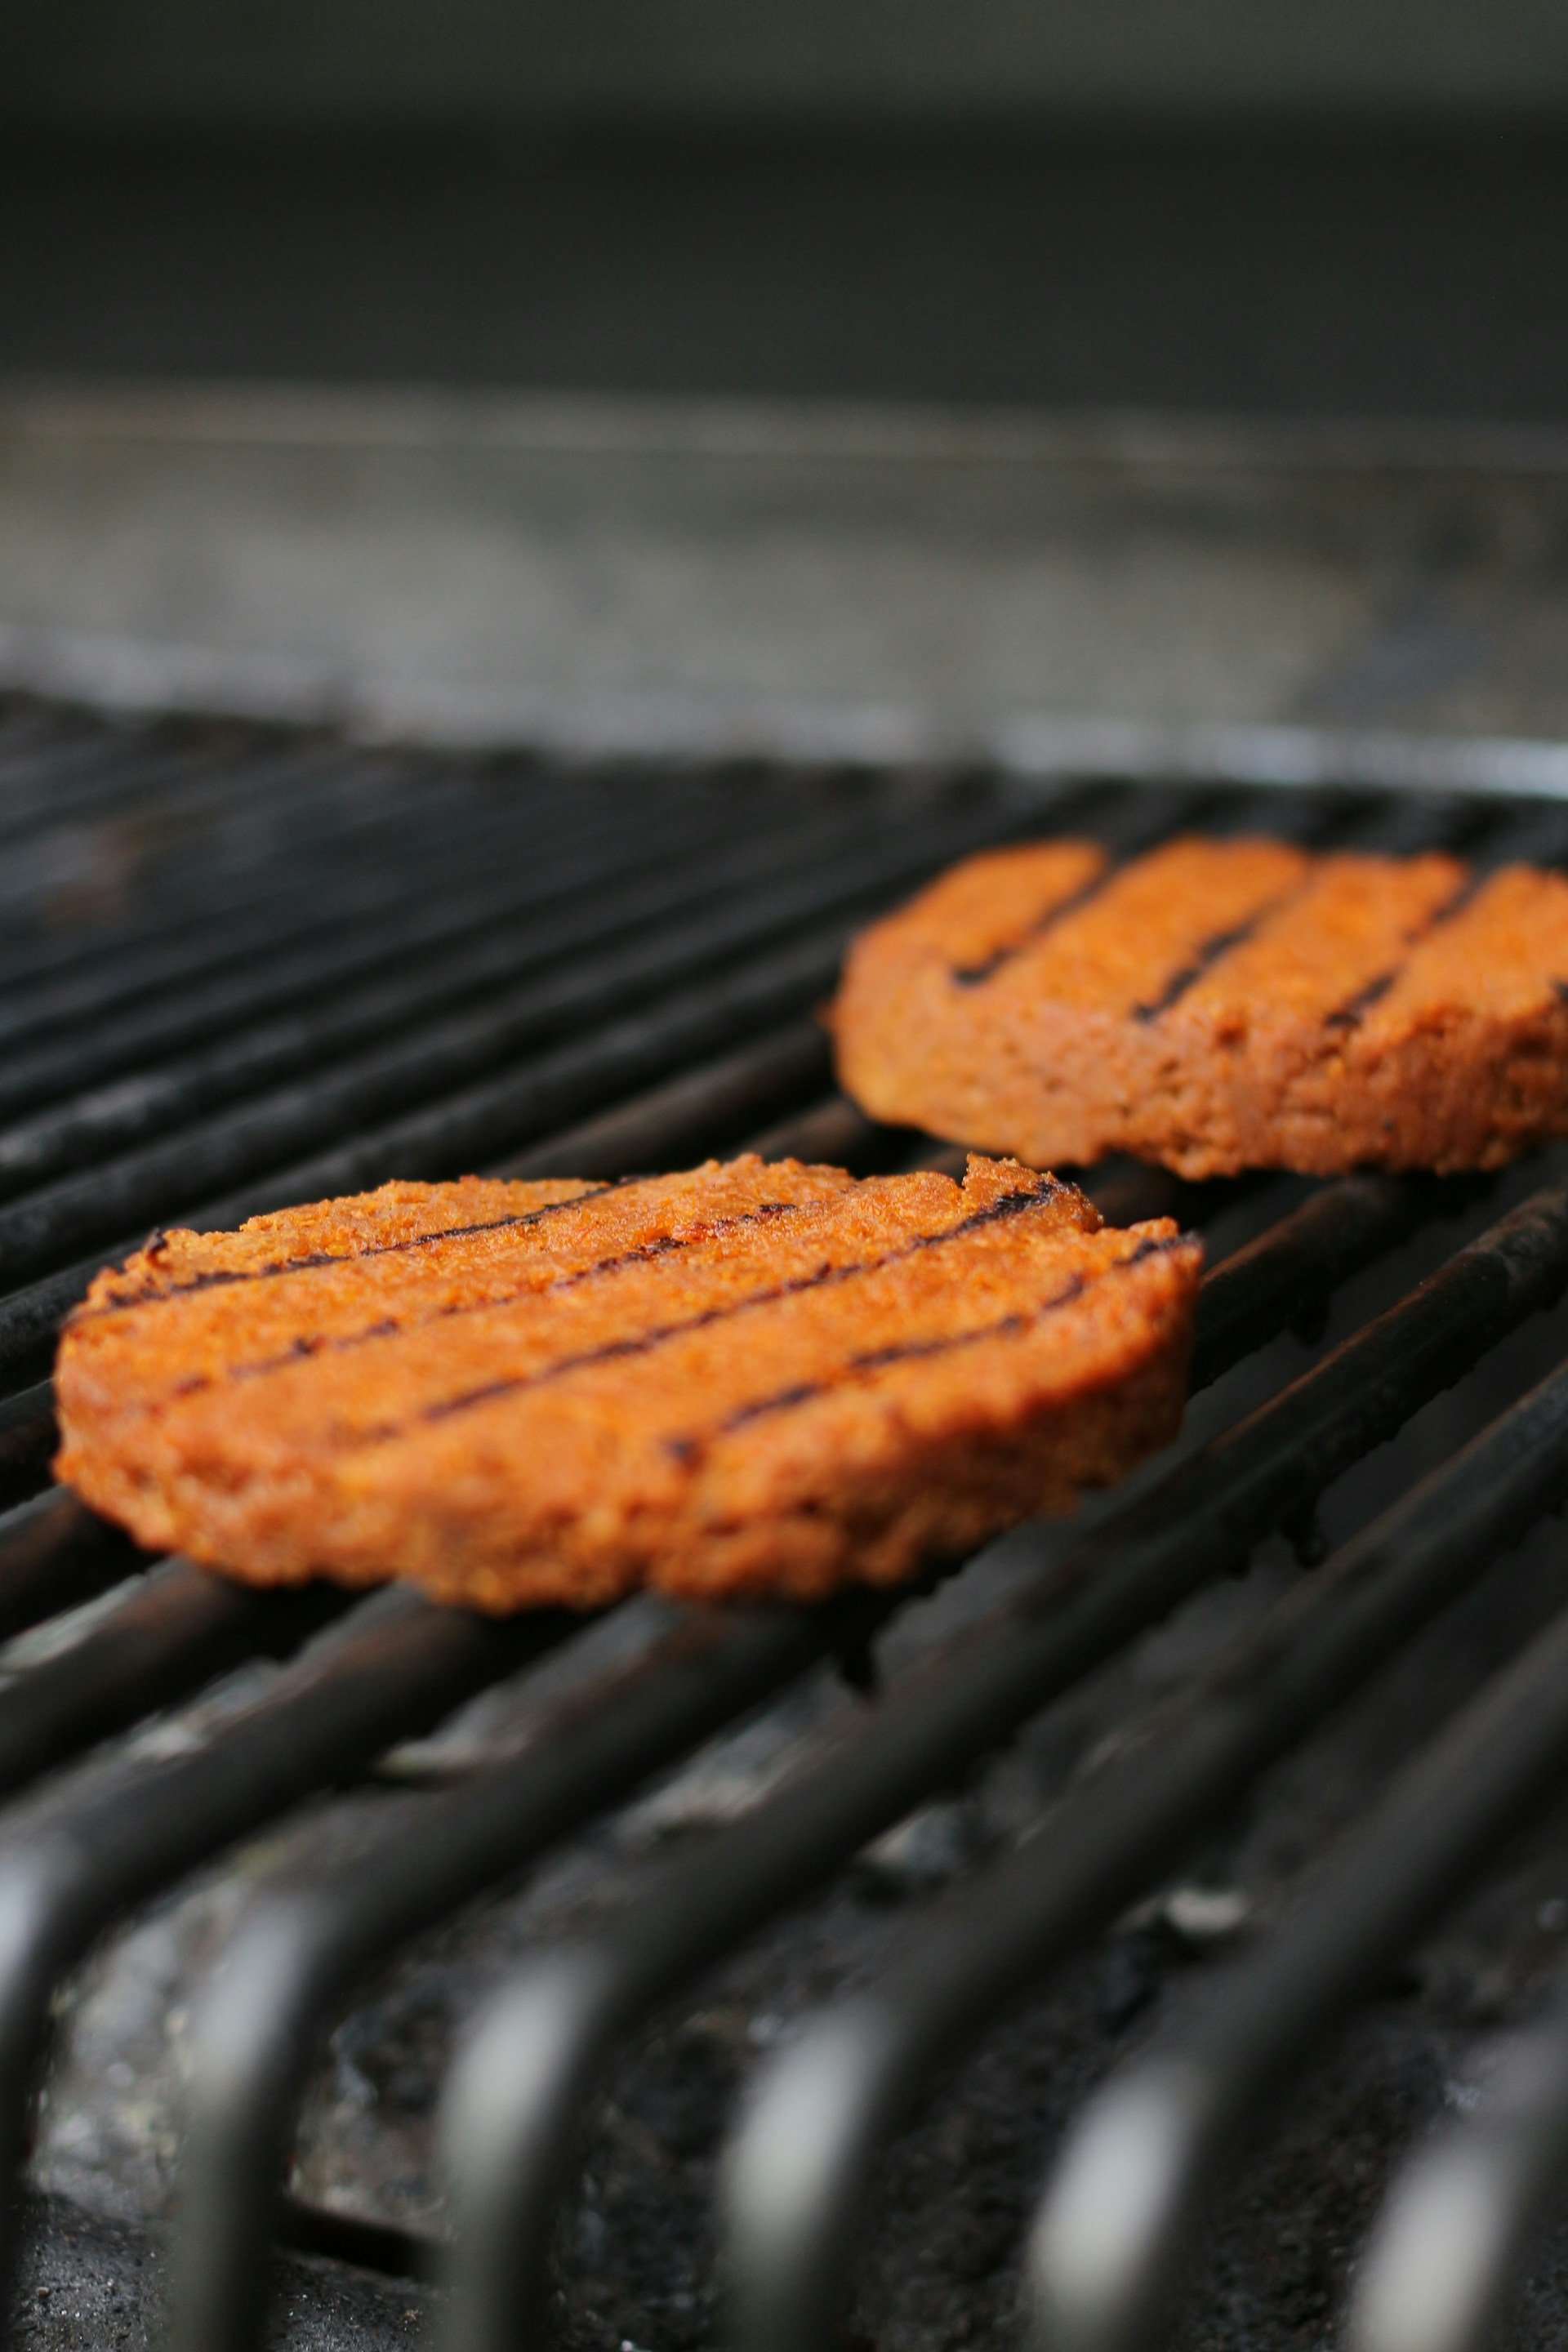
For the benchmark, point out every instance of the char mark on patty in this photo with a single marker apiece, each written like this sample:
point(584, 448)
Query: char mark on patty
point(642, 1343)
point(221, 1278)
point(877, 1359)
point(1354, 1009)
point(1209, 952)
point(389, 1327)
point(1055, 910)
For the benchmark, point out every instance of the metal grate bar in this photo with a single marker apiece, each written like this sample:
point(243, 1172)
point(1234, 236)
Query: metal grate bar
point(169, 855)
point(798, 2175)
point(54, 1554)
point(243, 1029)
point(1452, 2247)
point(473, 948)
point(165, 1636)
point(300, 1953)
point(515, 2100)
point(297, 900)
point(82, 779)
point(241, 961)
point(205, 911)
point(302, 842)
point(170, 775)
point(28, 1440)
point(1102, 2265)
point(393, 1670)
point(476, 1127)
point(28, 732)
point(158, 1179)
point(703, 1109)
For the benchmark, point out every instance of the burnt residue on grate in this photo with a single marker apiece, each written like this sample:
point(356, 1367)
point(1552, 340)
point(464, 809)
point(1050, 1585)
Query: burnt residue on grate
point(473, 1983)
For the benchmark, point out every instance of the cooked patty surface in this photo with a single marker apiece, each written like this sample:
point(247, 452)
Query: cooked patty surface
point(751, 1378)
point(1217, 1005)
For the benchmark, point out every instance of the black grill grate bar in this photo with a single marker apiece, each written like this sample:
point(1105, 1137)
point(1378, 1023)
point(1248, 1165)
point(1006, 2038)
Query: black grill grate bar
point(1315, 816)
point(80, 967)
point(427, 1139)
point(50, 1543)
point(80, 782)
point(492, 1118)
point(356, 932)
point(1534, 836)
point(396, 1667)
point(173, 882)
point(1452, 2246)
point(28, 1439)
point(1282, 1280)
point(368, 862)
point(1179, 2111)
point(287, 840)
point(167, 1634)
point(516, 2098)
point(834, 1131)
point(626, 1058)
point(396, 840)
point(302, 1950)
point(180, 784)
point(180, 789)
point(77, 764)
point(357, 869)
point(432, 1055)
point(468, 946)
point(705, 1108)
point(1401, 825)
point(1133, 819)
point(28, 731)
point(54, 1555)
point(167, 854)
point(855, 2074)
point(468, 1127)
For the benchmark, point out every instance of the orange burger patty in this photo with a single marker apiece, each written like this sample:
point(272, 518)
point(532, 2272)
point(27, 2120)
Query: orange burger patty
point(751, 1378)
point(1218, 1005)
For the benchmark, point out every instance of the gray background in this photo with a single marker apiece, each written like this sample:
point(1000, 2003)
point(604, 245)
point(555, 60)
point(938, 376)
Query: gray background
point(401, 60)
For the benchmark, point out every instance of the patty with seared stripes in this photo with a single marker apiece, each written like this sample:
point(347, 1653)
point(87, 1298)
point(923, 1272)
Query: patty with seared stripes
point(1216, 1005)
point(751, 1378)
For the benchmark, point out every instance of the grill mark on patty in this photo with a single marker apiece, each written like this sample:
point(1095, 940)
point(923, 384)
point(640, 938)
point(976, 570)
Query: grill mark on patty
point(1354, 1009)
point(1213, 950)
point(875, 1359)
point(971, 975)
point(643, 1343)
point(301, 1350)
point(221, 1278)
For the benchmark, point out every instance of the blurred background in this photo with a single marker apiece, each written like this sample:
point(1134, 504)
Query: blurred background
point(852, 376)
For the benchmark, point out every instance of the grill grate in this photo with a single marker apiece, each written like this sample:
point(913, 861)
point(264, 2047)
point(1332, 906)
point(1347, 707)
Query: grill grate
point(241, 969)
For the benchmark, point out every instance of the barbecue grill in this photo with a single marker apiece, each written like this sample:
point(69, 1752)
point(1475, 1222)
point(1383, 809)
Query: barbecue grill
point(734, 1973)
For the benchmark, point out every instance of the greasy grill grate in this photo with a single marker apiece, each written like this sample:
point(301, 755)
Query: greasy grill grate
point(240, 970)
